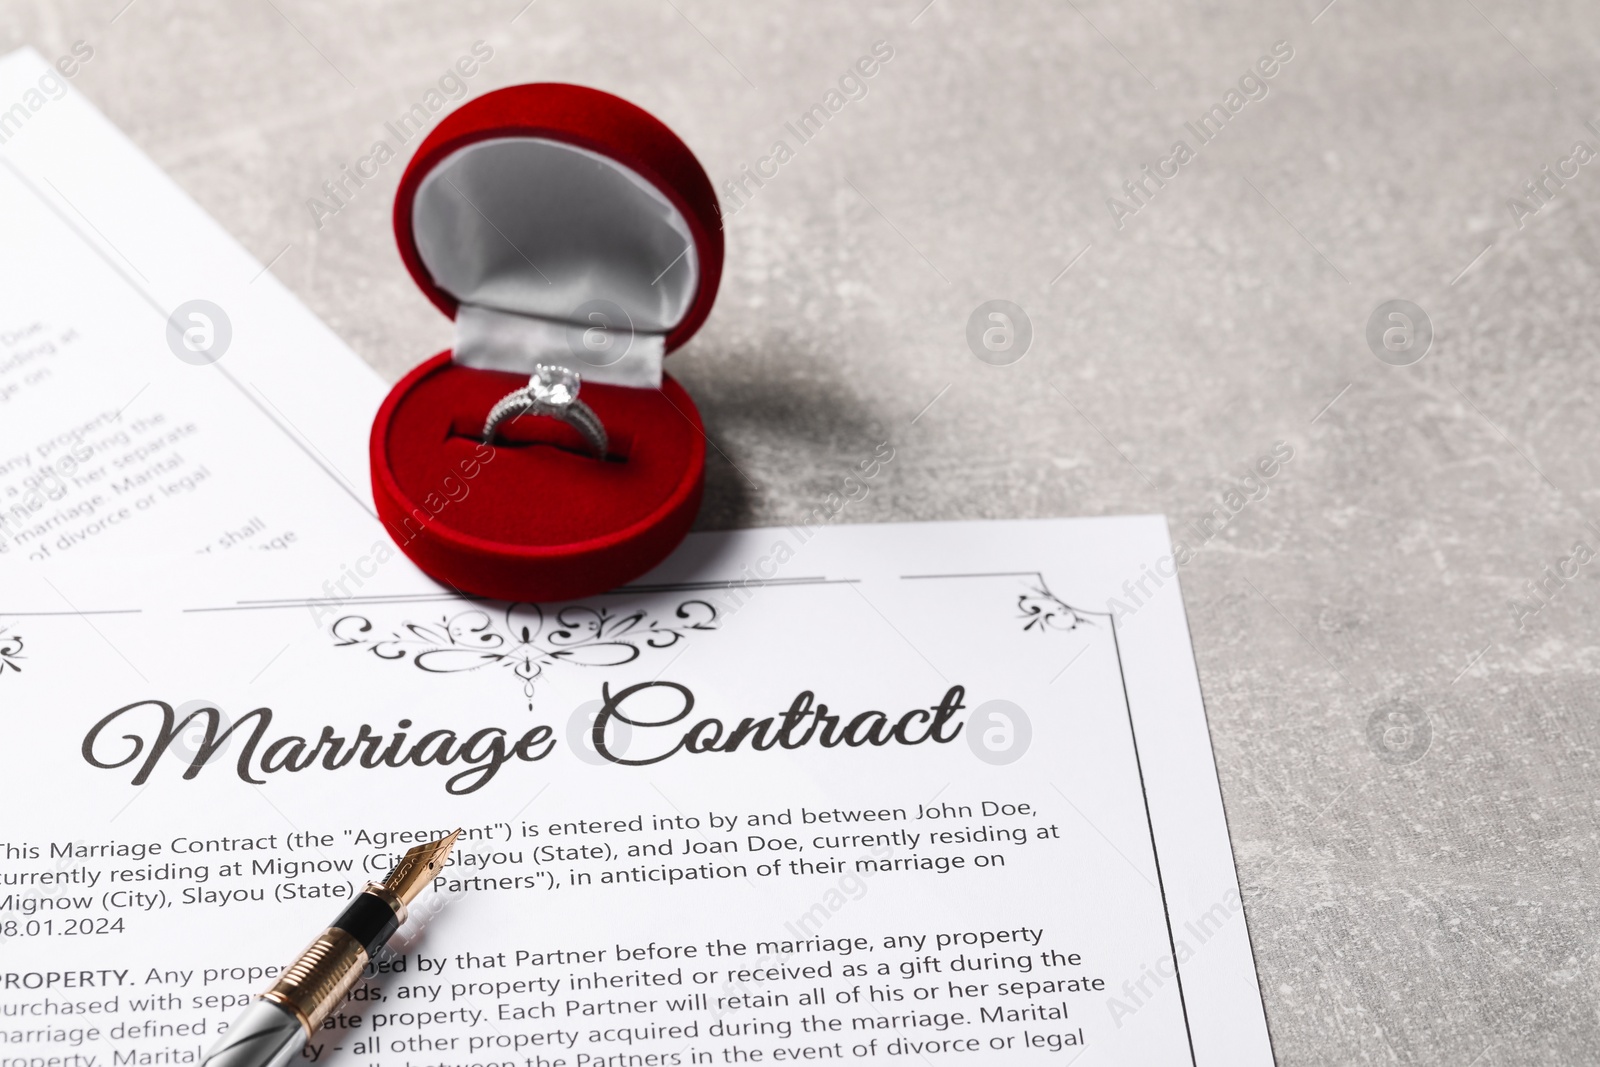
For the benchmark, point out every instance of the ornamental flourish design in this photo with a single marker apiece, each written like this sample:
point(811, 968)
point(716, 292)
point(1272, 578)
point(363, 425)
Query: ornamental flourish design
point(523, 640)
point(10, 652)
point(1042, 610)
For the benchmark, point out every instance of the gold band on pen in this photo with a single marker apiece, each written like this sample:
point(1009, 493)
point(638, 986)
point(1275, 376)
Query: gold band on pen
point(318, 981)
point(329, 968)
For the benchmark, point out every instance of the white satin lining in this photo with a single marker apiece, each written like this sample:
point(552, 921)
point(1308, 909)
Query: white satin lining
point(524, 232)
point(493, 340)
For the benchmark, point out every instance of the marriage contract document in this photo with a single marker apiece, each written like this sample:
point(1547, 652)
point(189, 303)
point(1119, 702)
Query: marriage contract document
point(924, 793)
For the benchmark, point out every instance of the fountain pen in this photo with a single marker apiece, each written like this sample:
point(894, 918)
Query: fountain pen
point(276, 1026)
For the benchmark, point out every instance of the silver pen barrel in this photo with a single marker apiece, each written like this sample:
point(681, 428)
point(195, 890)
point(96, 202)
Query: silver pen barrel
point(264, 1035)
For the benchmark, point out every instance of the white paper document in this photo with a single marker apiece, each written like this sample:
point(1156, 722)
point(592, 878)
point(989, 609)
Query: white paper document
point(159, 390)
point(877, 794)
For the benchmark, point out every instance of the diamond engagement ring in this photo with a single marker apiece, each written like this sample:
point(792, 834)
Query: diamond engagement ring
point(551, 391)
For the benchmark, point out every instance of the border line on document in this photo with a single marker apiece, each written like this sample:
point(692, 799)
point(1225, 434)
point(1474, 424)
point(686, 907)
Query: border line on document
point(67, 614)
point(1138, 762)
point(439, 598)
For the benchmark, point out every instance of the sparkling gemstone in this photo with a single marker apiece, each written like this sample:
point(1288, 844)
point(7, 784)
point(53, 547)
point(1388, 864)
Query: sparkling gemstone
point(556, 386)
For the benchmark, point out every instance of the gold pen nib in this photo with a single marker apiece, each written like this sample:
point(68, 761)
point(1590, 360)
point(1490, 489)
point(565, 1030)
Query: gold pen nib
point(419, 867)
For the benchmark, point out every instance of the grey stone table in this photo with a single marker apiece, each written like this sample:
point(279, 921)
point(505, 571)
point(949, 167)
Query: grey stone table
point(1400, 678)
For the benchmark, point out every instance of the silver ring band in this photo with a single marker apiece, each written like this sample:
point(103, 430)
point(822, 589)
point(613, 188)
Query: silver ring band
point(553, 392)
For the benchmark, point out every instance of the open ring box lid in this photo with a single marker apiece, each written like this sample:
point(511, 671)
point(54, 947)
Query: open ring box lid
point(560, 225)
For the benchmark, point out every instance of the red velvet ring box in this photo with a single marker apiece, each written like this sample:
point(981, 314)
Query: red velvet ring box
point(558, 225)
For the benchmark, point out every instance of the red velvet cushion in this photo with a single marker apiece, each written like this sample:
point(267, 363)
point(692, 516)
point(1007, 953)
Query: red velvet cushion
point(537, 517)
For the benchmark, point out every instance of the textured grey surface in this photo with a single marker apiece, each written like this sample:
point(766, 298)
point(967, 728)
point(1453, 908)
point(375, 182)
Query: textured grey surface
point(1441, 911)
